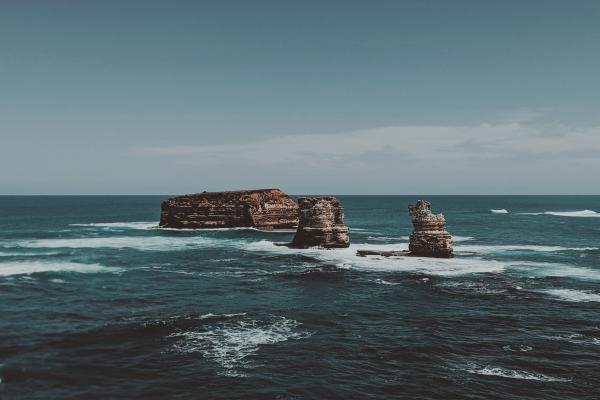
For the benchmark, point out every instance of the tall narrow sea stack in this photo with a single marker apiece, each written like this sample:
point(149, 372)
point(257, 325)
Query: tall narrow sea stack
point(262, 209)
point(429, 238)
point(321, 224)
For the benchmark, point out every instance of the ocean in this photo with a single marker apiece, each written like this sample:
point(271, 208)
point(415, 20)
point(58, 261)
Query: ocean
point(95, 302)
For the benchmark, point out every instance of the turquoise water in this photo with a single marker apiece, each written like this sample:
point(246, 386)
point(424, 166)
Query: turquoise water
point(97, 303)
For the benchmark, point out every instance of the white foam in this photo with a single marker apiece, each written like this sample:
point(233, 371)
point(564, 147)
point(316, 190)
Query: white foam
point(116, 225)
point(545, 269)
point(231, 342)
point(576, 338)
point(212, 316)
point(578, 296)
point(384, 282)
point(347, 258)
point(580, 214)
point(385, 238)
point(517, 348)
point(487, 249)
point(574, 214)
point(476, 287)
point(26, 268)
point(454, 238)
point(499, 211)
point(513, 374)
point(158, 243)
point(28, 254)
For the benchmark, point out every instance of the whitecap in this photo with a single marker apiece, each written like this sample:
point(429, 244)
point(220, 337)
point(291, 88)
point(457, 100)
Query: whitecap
point(211, 315)
point(517, 348)
point(571, 295)
point(230, 343)
point(513, 374)
point(576, 338)
point(384, 282)
point(26, 268)
point(499, 211)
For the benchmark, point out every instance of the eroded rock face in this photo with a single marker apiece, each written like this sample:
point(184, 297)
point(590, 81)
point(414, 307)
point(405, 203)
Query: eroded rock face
point(429, 238)
point(321, 224)
point(262, 209)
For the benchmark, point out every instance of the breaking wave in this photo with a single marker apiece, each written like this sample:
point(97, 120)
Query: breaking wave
point(499, 211)
point(579, 296)
point(488, 249)
point(158, 243)
point(513, 374)
point(575, 214)
point(26, 268)
point(455, 238)
point(346, 258)
point(231, 343)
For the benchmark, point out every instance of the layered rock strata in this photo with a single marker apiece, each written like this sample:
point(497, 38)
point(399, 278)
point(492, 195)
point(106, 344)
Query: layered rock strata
point(262, 209)
point(321, 224)
point(429, 238)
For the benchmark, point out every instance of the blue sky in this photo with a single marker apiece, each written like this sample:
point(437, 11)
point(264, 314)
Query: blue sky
point(342, 97)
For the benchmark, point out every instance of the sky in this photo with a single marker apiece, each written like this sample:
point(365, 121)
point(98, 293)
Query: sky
point(313, 97)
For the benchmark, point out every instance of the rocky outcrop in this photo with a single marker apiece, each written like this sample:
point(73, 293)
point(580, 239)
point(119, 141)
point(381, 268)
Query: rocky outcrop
point(262, 209)
point(429, 238)
point(321, 224)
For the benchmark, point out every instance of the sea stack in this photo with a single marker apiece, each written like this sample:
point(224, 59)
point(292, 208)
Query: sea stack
point(429, 238)
point(262, 209)
point(321, 224)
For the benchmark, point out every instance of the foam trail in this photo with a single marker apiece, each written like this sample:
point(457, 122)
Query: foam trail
point(579, 214)
point(499, 211)
point(577, 296)
point(487, 249)
point(157, 243)
point(573, 214)
point(543, 269)
point(26, 268)
point(28, 254)
point(513, 374)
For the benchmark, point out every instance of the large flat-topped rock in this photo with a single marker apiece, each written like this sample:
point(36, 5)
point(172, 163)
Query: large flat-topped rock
point(261, 209)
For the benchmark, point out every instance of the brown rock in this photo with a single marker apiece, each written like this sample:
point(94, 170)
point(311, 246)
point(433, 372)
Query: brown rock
point(262, 209)
point(321, 224)
point(429, 238)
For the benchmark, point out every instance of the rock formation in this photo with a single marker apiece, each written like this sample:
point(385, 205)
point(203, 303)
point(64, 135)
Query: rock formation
point(262, 209)
point(321, 224)
point(429, 238)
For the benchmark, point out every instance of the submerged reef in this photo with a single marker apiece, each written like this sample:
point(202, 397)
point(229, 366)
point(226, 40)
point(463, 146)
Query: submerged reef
point(321, 224)
point(262, 209)
point(430, 237)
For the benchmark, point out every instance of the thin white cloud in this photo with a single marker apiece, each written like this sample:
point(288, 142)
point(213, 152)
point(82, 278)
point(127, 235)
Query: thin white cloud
point(511, 139)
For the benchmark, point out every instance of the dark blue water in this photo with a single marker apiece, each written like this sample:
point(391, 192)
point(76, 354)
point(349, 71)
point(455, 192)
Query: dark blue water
point(94, 303)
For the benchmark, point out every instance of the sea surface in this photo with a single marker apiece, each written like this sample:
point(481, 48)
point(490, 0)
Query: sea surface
point(96, 302)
